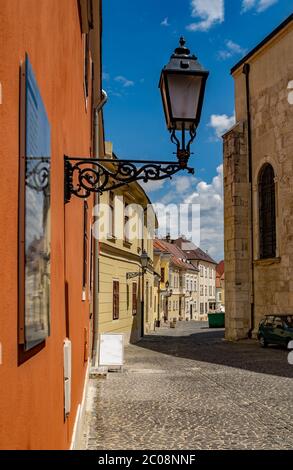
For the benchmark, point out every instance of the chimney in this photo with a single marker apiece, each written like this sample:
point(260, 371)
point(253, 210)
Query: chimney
point(168, 238)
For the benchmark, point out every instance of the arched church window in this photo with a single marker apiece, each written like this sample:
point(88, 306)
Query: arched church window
point(267, 212)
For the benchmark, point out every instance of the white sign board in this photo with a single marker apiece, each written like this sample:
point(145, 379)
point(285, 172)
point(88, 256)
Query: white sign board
point(111, 349)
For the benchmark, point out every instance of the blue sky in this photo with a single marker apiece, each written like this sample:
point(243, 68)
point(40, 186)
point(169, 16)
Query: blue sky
point(138, 39)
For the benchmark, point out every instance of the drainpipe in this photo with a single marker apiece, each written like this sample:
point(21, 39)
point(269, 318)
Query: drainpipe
point(96, 122)
point(246, 71)
point(96, 288)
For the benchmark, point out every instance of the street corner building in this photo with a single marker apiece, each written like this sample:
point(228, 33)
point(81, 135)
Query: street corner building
point(50, 87)
point(258, 181)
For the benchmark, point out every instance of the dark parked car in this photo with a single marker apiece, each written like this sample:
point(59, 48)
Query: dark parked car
point(275, 329)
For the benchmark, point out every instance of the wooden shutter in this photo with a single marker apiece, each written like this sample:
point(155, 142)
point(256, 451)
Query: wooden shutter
point(134, 298)
point(115, 300)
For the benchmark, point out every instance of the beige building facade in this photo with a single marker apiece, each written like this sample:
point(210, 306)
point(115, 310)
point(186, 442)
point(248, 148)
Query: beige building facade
point(258, 182)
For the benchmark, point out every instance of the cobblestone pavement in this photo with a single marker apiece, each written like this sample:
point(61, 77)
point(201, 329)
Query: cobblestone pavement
point(187, 388)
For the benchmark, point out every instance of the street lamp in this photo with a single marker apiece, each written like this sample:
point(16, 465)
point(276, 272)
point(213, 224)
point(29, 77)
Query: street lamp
point(144, 259)
point(169, 292)
point(182, 86)
point(158, 284)
point(167, 295)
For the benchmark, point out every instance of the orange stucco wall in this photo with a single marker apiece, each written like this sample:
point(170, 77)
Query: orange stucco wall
point(31, 394)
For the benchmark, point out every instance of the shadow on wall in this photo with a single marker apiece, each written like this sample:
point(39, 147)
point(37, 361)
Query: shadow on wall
point(209, 346)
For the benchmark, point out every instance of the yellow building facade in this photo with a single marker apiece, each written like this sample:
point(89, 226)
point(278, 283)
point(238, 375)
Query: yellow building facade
point(125, 291)
point(178, 282)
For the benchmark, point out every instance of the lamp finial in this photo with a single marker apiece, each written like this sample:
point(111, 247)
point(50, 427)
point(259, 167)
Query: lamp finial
point(182, 41)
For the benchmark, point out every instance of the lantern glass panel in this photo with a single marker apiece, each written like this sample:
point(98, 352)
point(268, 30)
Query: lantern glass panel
point(184, 93)
point(165, 103)
point(144, 259)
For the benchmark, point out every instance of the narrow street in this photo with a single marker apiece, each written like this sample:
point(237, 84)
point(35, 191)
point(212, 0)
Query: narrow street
point(187, 388)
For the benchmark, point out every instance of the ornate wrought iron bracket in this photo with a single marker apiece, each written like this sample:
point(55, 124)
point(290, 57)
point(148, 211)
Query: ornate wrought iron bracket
point(84, 176)
point(133, 275)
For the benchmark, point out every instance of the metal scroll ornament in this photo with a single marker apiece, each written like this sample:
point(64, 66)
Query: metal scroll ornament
point(84, 176)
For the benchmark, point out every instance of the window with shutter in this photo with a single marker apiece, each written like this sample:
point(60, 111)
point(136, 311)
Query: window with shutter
point(127, 297)
point(115, 300)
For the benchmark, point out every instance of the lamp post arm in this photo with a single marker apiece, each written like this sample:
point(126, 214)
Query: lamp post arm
point(84, 176)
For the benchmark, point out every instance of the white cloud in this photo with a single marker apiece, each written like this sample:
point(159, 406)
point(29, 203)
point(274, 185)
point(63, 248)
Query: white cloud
point(258, 5)
point(179, 184)
point(152, 186)
point(224, 54)
point(106, 76)
point(209, 196)
point(114, 93)
point(124, 81)
point(221, 123)
point(165, 22)
point(248, 4)
point(232, 49)
point(264, 4)
point(183, 183)
point(209, 11)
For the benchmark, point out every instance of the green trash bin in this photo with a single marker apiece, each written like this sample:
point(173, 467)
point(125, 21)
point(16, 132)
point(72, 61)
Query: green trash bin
point(216, 320)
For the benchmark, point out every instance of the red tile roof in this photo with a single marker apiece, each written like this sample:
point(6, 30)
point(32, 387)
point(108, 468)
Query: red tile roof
point(220, 268)
point(178, 256)
point(192, 252)
point(199, 254)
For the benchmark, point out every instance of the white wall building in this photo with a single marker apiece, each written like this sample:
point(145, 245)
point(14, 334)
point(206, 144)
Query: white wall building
point(206, 297)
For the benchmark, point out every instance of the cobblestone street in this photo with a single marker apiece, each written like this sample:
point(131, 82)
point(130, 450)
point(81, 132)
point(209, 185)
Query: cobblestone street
point(187, 388)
